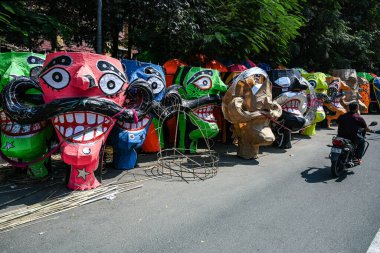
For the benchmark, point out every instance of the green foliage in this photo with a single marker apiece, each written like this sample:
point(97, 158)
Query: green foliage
point(312, 34)
point(338, 34)
point(250, 27)
point(232, 29)
point(20, 25)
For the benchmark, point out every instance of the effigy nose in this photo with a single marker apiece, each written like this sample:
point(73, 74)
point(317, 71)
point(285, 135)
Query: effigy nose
point(84, 78)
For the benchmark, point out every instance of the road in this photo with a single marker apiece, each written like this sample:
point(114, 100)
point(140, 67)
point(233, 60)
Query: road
point(285, 202)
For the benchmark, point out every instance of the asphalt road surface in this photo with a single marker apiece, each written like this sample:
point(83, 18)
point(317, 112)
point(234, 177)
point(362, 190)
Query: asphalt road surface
point(284, 202)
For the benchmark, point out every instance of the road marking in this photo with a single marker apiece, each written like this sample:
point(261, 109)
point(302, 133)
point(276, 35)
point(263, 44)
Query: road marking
point(375, 245)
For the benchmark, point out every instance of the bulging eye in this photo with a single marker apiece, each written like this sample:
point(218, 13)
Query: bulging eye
point(203, 83)
point(57, 78)
point(110, 84)
point(157, 84)
point(34, 72)
point(313, 83)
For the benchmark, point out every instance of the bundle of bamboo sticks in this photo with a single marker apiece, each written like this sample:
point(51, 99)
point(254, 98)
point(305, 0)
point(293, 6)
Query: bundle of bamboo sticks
point(24, 216)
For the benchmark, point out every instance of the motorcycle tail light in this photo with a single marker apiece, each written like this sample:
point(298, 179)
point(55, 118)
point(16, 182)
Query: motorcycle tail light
point(338, 143)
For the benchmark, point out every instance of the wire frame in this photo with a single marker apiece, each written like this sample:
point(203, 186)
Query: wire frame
point(181, 163)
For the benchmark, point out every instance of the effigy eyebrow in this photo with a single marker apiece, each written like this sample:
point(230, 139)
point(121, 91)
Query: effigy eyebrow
point(35, 60)
point(62, 60)
point(200, 73)
point(152, 71)
point(106, 66)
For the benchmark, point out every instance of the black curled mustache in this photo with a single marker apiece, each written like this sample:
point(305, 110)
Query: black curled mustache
point(15, 103)
point(173, 102)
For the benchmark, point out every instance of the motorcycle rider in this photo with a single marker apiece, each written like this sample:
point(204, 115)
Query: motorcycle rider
point(348, 128)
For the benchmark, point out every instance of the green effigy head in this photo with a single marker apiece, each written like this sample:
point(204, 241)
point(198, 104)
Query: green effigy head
point(317, 80)
point(199, 82)
point(23, 142)
point(13, 64)
point(196, 83)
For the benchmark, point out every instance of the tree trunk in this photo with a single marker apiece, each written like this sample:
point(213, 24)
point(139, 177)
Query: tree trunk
point(115, 43)
point(129, 53)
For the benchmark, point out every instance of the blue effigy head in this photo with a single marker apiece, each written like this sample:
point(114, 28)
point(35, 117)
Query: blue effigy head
point(152, 73)
point(127, 137)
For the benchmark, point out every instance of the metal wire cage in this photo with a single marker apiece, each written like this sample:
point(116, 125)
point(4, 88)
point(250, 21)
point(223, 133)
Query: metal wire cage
point(179, 163)
point(182, 163)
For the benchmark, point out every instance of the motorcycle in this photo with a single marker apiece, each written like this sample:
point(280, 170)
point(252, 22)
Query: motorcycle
point(343, 152)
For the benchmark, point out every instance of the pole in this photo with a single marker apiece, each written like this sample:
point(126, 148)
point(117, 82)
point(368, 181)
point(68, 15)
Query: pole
point(99, 42)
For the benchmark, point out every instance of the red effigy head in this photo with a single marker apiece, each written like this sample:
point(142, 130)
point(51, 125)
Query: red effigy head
point(83, 133)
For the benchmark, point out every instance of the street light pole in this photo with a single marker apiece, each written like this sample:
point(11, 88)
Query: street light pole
point(99, 40)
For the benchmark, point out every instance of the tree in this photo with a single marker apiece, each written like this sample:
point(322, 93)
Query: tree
point(20, 25)
point(338, 34)
point(231, 29)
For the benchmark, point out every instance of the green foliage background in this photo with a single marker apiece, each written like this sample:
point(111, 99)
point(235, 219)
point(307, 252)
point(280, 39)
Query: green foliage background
point(312, 34)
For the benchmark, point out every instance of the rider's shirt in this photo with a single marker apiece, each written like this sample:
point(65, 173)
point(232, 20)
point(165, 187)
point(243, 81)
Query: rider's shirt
point(349, 124)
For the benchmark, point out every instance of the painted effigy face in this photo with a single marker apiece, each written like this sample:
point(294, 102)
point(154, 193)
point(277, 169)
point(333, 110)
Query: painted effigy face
point(334, 107)
point(25, 142)
point(364, 88)
point(83, 95)
point(350, 77)
point(248, 106)
point(130, 136)
point(289, 91)
point(376, 88)
point(334, 90)
point(318, 82)
point(14, 64)
point(196, 83)
point(72, 75)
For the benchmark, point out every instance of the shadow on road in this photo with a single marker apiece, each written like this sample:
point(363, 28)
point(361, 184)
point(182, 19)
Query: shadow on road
point(322, 175)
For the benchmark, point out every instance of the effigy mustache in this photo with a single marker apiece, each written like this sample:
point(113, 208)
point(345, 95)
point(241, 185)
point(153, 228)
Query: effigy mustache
point(19, 110)
point(173, 102)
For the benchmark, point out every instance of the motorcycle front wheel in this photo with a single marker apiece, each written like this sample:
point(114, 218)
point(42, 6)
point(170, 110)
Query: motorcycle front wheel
point(336, 168)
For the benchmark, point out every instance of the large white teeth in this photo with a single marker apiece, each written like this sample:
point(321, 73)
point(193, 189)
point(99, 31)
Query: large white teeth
point(91, 118)
point(35, 127)
point(16, 128)
point(145, 121)
point(79, 117)
point(133, 126)
point(98, 131)
point(100, 119)
point(78, 137)
point(69, 118)
point(24, 129)
point(89, 135)
point(69, 132)
point(61, 118)
point(128, 125)
point(139, 124)
point(78, 129)
point(77, 120)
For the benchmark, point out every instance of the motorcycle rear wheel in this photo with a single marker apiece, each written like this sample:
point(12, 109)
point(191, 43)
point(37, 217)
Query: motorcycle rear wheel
point(336, 168)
